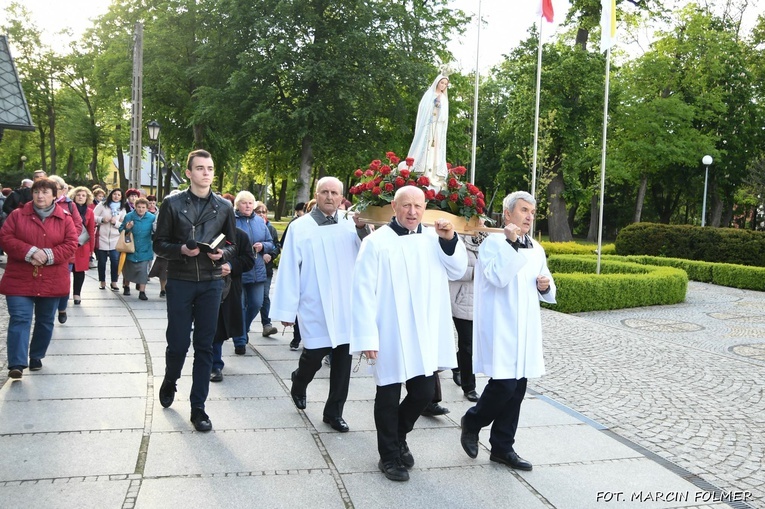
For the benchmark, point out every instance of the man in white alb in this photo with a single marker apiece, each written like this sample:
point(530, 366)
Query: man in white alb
point(313, 284)
point(511, 277)
point(402, 319)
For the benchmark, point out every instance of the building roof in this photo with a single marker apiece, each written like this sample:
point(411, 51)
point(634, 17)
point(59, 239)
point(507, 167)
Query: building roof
point(14, 111)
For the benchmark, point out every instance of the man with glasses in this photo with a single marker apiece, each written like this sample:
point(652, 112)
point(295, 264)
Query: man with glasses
point(265, 320)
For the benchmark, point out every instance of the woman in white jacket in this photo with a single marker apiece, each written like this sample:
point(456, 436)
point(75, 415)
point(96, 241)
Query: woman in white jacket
point(109, 215)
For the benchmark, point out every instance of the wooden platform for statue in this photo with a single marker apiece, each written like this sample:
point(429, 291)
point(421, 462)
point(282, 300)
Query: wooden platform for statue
point(382, 215)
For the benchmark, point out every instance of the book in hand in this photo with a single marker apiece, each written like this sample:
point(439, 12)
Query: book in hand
point(213, 245)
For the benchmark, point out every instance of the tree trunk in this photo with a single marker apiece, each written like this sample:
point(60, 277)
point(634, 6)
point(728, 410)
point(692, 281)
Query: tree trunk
point(306, 167)
point(592, 233)
point(558, 218)
point(282, 201)
point(640, 198)
point(717, 210)
point(43, 153)
point(168, 179)
point(276, 205)
point(199, 136)
point(52, 137)
point(70, 164)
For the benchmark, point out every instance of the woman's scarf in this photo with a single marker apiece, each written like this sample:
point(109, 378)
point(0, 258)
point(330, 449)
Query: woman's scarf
point(44, 213)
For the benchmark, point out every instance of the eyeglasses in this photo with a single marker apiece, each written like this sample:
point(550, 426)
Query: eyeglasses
point(261, 211)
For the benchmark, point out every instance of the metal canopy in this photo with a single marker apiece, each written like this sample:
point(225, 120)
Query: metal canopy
point(14, 111)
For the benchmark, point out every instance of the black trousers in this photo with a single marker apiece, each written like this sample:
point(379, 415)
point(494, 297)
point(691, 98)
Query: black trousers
point(339, 375)
point(465, 353)
point(395, 420)
point(500, 406)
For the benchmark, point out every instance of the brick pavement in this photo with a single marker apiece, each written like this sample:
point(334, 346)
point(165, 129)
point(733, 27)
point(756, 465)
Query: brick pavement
point(669, 379)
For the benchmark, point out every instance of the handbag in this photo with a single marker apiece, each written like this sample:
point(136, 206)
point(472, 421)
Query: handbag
point(125, 243)
point(84, 237)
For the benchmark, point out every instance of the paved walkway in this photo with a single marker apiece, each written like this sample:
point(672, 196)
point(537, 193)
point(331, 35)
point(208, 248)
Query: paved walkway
point(88, 431)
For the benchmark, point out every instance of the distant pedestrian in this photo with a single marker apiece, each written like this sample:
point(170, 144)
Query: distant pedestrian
point(86, 242)
point(140, 224)
point(109, 215)
point(268, 257)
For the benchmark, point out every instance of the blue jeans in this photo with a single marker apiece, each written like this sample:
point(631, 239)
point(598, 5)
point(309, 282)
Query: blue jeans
point(265, 309)
point(252, 300)
point(187, 302)
point(63, 301)
point(114, 257)
point(20, 310)
point(218, 355)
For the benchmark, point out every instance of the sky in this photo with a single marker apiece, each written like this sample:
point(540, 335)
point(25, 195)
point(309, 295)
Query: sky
point(506, 23)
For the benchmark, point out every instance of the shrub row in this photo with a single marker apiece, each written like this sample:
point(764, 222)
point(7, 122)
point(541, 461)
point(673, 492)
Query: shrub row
point(722, 245)
point(724, 274)
point(620, 284)
point(556, 248)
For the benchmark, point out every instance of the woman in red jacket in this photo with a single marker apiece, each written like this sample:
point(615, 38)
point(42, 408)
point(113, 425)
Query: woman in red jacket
point(82, 197)
point(39, 239)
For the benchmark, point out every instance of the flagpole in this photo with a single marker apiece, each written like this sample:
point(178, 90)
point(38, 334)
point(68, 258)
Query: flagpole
point(475, 98)
point(536, 121)
point(603, 159)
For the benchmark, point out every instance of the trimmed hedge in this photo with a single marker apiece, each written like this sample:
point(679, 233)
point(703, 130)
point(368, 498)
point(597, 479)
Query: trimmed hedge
point(556, 248)
point(723, 274)
point(721, 245)
point(620, 284)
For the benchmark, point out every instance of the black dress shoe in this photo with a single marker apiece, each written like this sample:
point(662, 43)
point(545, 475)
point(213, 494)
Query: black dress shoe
point(469, 440)
point(457, 377)
point(15, 372)
point(337, 423)
point(405, 454)
point(299, 399)
point(240, 349)
point(471, 396)
point(393, 470)
point(200, 420)
point(216, 375)
point(167, 393)
point(35, 364)
point(62, 317)
point(512, 460)
point(434, 409)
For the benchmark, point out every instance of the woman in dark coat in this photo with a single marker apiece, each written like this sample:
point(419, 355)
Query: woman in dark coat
point(230, 319)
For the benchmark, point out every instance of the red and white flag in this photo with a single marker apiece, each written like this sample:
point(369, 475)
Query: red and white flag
point(546, 10)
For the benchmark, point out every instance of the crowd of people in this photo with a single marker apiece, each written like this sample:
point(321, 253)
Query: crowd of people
point(392, 295)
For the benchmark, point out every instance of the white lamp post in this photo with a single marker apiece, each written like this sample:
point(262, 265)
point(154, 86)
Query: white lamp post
point(153, 128)
point(706, 161)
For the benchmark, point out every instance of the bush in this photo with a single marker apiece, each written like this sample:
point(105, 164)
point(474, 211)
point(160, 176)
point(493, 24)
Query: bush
point(619, 285)
point(722, 245)
point(555, 248)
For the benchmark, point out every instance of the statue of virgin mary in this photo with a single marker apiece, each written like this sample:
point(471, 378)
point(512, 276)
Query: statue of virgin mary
point(428, 147)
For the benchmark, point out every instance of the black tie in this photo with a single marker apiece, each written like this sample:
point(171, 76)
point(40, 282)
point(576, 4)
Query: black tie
point(330, 220)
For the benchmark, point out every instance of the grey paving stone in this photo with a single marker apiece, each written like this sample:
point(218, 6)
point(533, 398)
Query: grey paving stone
point(71, 415)
point(547, 445)
point(109, 385)
point(195, 453)
point(95, 346)
point(73, 495)
point(238, 414)
point(449, 488)
point(78, 364)
point(580, 486)
point(296, 490)
point(246, 386)
point(50, 455)
point(90, 332)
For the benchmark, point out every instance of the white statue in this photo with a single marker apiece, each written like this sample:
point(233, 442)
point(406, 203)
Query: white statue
point(429, 144)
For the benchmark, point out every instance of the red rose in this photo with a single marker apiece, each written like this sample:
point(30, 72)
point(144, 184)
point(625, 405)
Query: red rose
point(468, 201)
point(448, 166)
point(385, 170)
point(376, 191)
point(480, 203)
point(453, 183)
point(460, 170)
point(430, 194)
point(479, 195)
point(377, 180)
point(411, 183)
point(369, 173)
point(394, 160)
point(472, 189)
point(454, 197)
point(410, 161)
point(479, 210)
point(352, 190)
point(390, 155)
point(375, 165)
point(423, 181)
point(358, 173)
point(400, 182)
point(440, 197)
point(388, 187)
point(404, 173)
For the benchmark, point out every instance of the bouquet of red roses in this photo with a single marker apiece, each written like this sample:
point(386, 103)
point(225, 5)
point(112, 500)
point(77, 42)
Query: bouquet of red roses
point(379, 183)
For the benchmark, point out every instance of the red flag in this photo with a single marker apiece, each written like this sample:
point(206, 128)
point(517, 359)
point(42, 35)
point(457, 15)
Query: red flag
point(546, 10)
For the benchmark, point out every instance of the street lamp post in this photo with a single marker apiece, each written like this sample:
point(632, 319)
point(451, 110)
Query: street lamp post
point(153, 128)
point(706, 161)
point(23, 162)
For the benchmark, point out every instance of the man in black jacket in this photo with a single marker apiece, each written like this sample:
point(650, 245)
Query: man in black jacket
point(194, 280)
point(23, 194)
